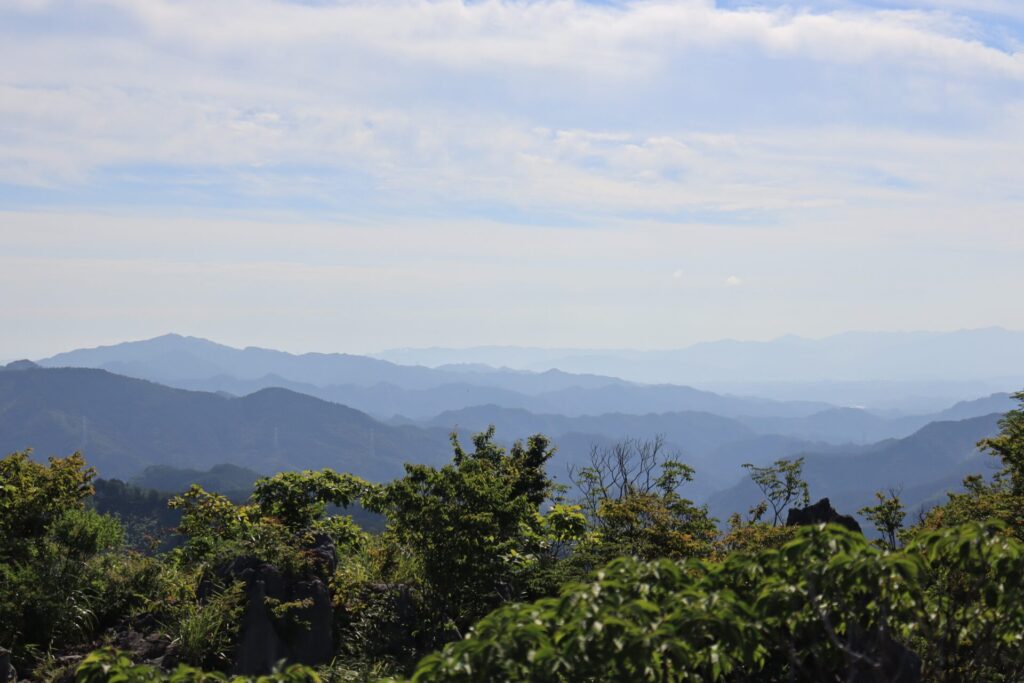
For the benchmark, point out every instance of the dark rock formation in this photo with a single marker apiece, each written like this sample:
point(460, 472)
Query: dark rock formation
point(285, 617)
point(6, 672)
point(821, 512)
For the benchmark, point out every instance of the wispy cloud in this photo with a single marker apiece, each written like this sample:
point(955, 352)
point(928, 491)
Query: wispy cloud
point(589, 149)
point(733, 281)
point(659, 107)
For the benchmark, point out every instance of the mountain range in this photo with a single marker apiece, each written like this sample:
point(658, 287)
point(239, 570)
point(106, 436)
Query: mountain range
point(850, 356)
point(386, 389)
point(923, 466)
point(900, 371)
point(126, 425)
point(123, 425)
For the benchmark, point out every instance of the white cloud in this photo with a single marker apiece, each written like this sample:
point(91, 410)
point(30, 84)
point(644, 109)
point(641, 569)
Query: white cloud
point(572, 154)
point(553, 105)
point(733, 281)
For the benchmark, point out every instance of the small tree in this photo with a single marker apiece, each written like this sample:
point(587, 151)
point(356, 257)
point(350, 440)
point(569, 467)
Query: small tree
point(1008, 445)
point(475, 525)
point(887, 517)
point(631, 494)
point(781, 484)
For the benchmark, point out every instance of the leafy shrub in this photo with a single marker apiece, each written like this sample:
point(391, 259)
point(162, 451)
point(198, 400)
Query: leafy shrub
point(825, 606)
point(205, 630)
point(110, 666)
point(473, 524)
point(56, 574)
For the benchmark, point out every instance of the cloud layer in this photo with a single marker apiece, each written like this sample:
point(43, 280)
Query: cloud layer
point(668, 133)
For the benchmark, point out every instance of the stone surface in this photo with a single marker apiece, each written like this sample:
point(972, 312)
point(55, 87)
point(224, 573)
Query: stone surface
point(821, 512)
point(6, 673)
point(301, 633)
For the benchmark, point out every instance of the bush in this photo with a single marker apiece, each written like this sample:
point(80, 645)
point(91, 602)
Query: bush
point(825, 607)
point(110, 666)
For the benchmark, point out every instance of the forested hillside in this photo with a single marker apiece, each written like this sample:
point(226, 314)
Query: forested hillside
point(487, 570)
point(127, 424)
point(925, 465)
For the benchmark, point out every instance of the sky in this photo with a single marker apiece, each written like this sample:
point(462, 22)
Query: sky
point(354, 176)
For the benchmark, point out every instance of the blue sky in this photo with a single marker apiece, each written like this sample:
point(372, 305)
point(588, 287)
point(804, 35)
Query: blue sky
point(361, 175)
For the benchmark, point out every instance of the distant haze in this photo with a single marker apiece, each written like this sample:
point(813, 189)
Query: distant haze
point(903, 373)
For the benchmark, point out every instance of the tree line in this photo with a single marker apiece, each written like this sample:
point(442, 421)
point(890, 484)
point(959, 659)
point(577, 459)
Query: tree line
point(487, 569)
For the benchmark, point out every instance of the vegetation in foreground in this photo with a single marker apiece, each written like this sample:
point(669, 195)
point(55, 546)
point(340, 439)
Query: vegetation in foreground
point(489, 571)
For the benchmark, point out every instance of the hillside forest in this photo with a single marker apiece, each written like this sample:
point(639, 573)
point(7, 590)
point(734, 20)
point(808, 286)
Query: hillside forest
point(484, 568)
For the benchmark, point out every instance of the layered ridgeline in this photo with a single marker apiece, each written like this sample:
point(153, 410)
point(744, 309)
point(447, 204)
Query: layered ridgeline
point(125, 425)
point(963, 355)
point(386, 389)
point(923, 467)
point(420, 394)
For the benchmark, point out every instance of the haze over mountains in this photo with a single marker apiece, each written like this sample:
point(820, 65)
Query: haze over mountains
point(923, 466)
point(185, 402)
point(386, 389)
point(851, 356)
point(124, 425)
point(915, 371)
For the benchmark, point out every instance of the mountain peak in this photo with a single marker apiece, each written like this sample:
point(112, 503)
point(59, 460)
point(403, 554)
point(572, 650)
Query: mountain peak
point(23, 364)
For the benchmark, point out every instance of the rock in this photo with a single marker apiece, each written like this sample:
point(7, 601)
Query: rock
point(259, 644)
point(821, 512)
point(323, 552)
point(315, 644)
point(6, 673)
point(285, 617)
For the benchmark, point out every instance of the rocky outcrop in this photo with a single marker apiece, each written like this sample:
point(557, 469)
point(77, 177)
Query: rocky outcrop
point(821, 512)
point(285, 617)
point(6, 672)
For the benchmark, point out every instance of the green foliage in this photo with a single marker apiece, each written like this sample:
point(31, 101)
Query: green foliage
point(826, 606)
point(782, 485)
point(285, 513)
point(752, 535)
point(86, 532)
point(299, 499)
point(34, 495)
point(208, 520)
point(1008, 446)
point(474, 524)
point(110, 666)
point(887, 517)
point(761, 602)
point(61, 577)
point(205, 630)
point(1002, 498)
point(631, 493)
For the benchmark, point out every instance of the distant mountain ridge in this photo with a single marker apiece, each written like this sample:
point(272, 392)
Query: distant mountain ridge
point(851, 356)
point(173, 357)
point(925, 464)
point(142, 431)
point(386, 389)
point(124, 425)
